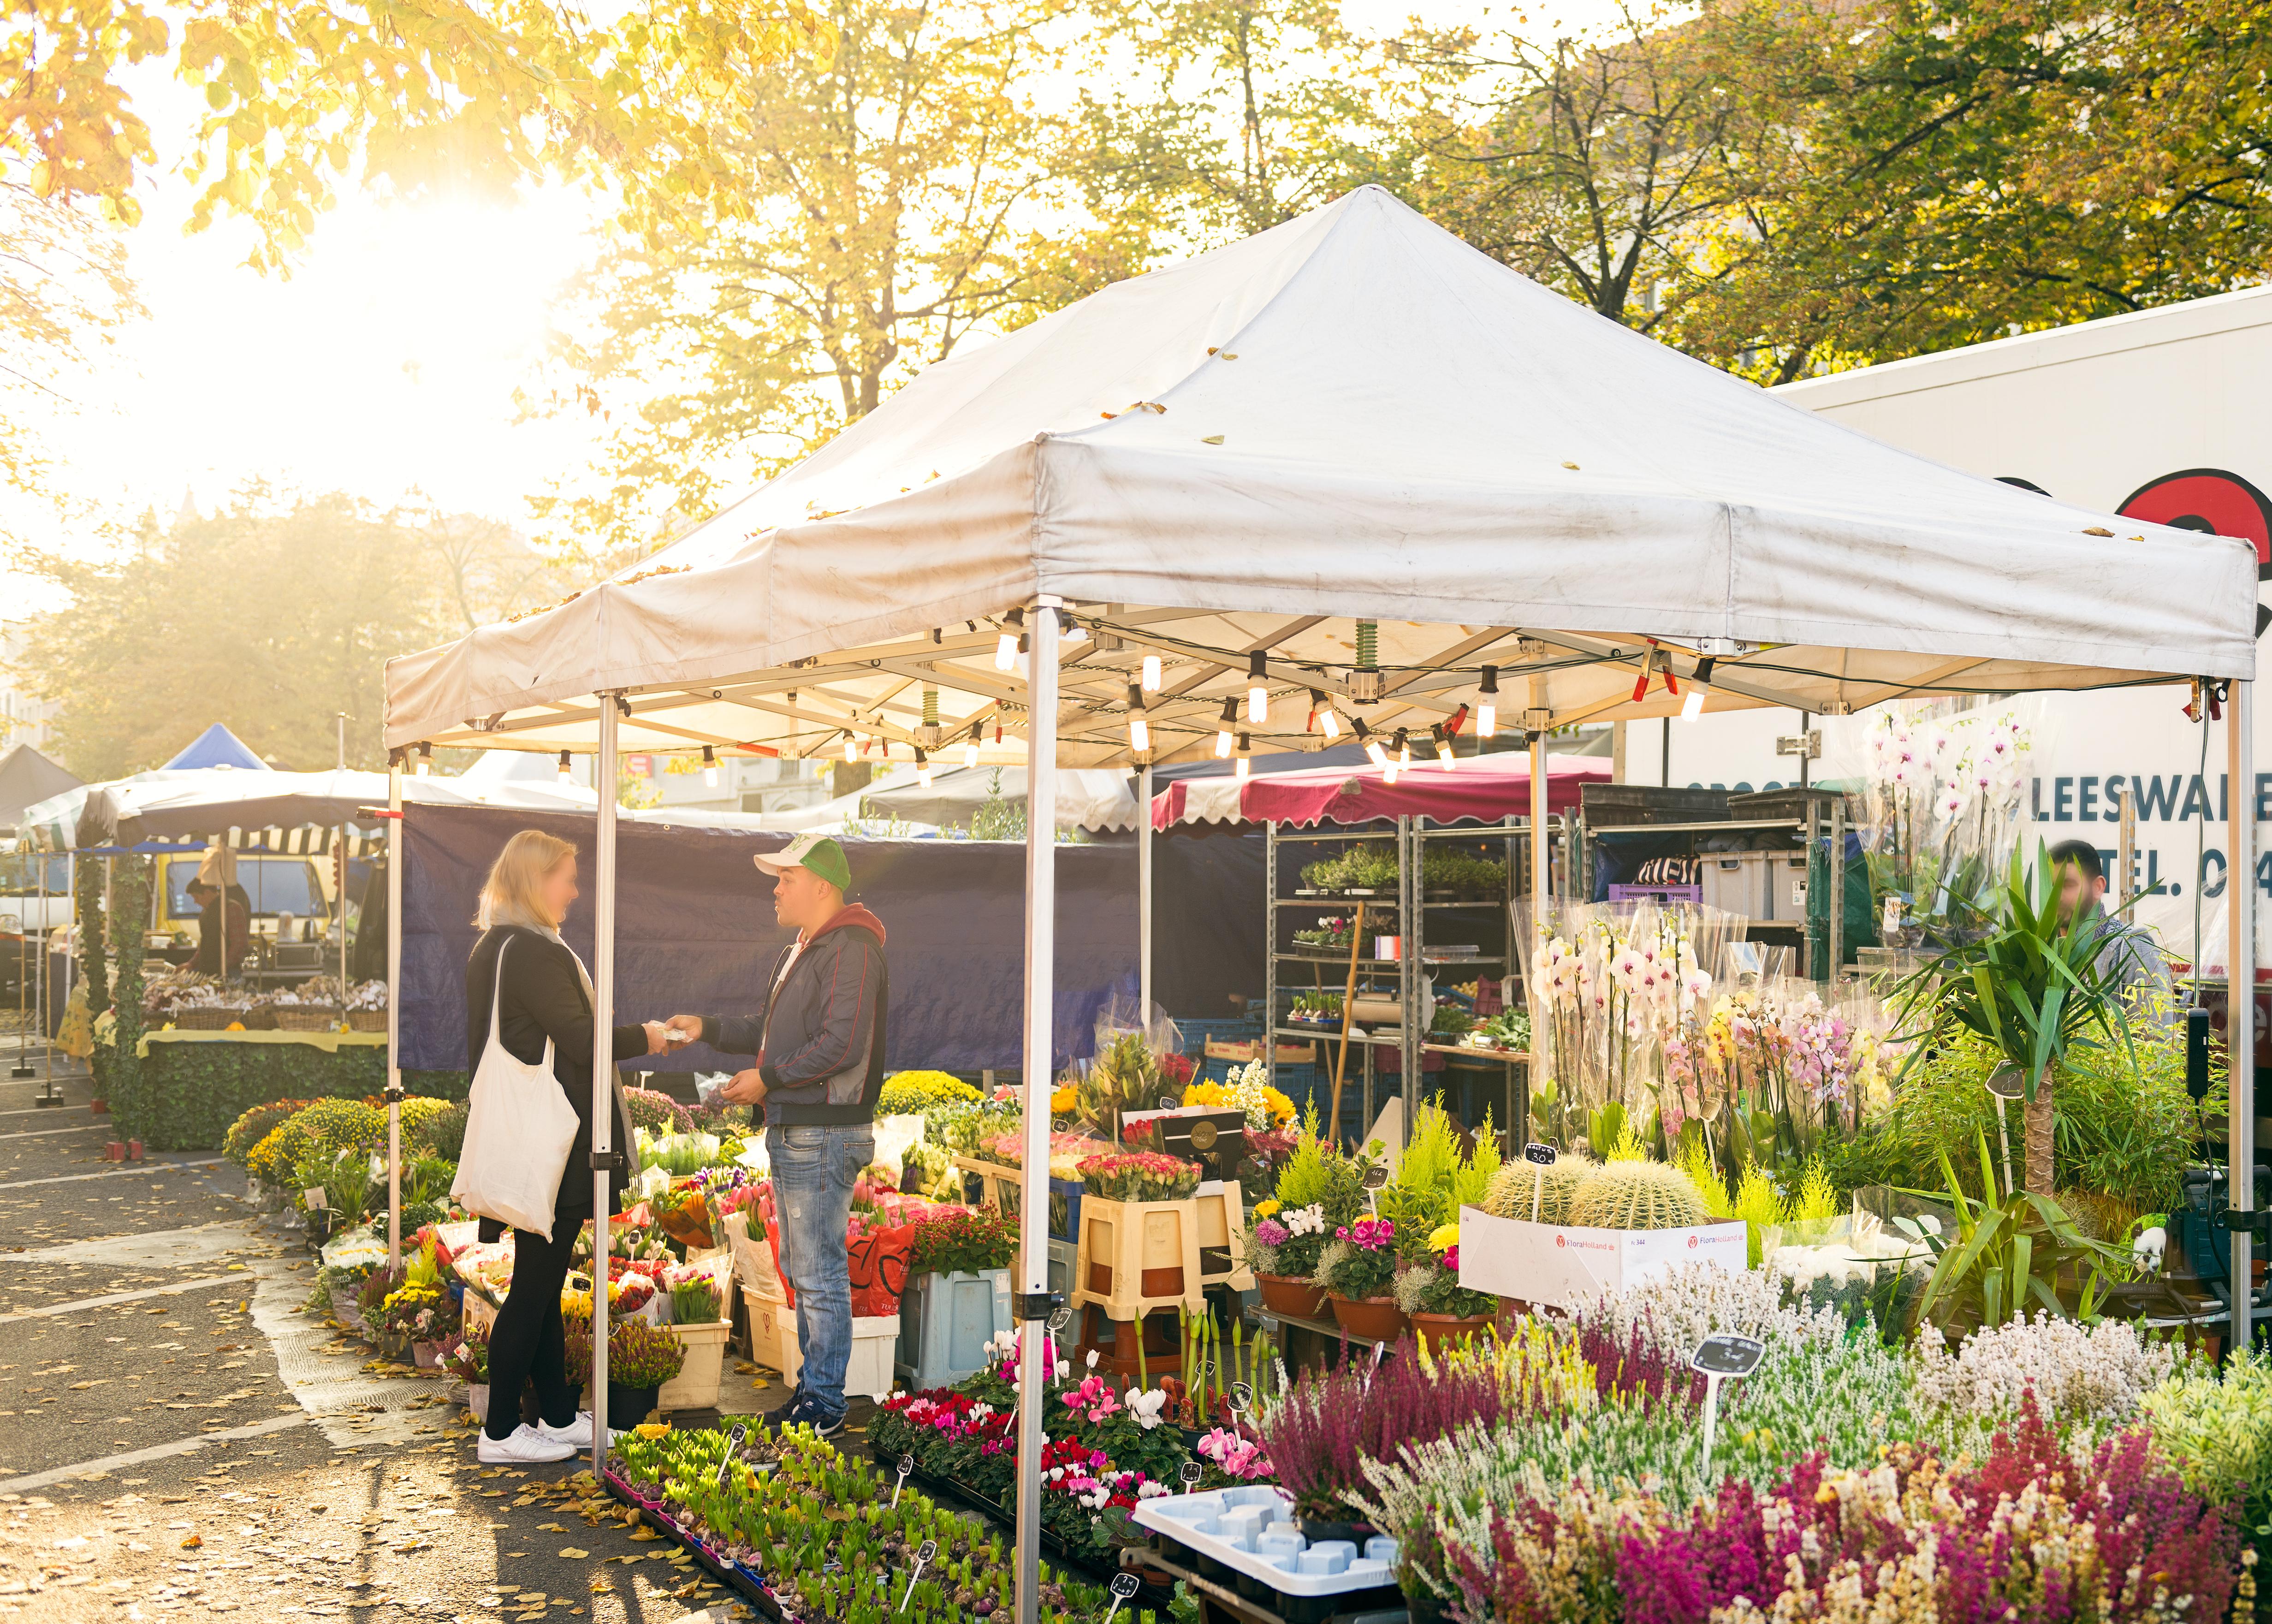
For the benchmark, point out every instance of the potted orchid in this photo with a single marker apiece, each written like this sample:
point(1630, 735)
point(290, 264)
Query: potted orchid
point(1357, 1272)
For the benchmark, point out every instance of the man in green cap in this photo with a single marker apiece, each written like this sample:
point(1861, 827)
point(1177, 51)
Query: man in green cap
point(819, 1047)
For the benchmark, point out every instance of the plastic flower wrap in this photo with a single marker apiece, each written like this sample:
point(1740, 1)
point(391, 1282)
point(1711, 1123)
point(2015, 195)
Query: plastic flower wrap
point(1248, 1090)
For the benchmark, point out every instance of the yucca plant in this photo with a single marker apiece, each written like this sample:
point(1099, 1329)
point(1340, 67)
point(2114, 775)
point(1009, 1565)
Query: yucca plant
point(2029, 982)
point(2008, 1255)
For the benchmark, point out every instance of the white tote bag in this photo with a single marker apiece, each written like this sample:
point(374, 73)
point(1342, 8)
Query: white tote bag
point(520, 1128)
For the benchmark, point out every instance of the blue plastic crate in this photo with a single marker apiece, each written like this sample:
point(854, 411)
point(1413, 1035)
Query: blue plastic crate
point(1065, 1203)
point(1197, 1034)
point(945, 1321)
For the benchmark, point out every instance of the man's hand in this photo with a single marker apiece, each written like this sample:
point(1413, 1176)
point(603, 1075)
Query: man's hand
point(745, 1088)
point(658, 1041)
point(692, 1025)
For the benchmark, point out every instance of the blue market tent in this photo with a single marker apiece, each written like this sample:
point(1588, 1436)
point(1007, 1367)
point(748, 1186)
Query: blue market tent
point(217, 746)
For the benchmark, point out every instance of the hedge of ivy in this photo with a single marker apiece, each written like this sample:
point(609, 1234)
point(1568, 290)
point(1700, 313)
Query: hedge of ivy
point(185, 1095)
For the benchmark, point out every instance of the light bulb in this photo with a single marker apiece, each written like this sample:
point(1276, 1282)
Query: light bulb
point(1403, 749)
point(922, 769)
point(1372, 746)
point(565, 775)
point(1258, 692)
point(970, 752)
point(1140, 737)
point(1245, 758)
point(851, 748)
point(709, 768)
point(1388, 770)
point(425, 760)
point(1692, 706)
point(1487, 710)
point(1444, 750)
point(1330, 723)
point(1005, 647)
point(1222, 734)
point(1073, 633)
point(1151, 673)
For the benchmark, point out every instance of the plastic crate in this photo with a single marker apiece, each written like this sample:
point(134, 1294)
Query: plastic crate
point(945, 1321)
point(1197, 1033)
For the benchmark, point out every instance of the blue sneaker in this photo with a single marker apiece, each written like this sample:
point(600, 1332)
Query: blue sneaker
point(805, 1411)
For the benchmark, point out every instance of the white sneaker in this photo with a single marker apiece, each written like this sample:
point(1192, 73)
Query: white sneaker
point(526, 1447)
point(577, 1433)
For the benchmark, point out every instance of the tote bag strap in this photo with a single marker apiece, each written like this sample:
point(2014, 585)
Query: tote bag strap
point(497, 1000)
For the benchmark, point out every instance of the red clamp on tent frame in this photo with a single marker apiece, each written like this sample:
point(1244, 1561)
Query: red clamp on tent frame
point(1657, 661)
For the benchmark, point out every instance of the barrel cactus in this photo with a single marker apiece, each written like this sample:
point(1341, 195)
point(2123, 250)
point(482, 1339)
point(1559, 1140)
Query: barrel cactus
point(1637, 1196)
point(1515, 1185)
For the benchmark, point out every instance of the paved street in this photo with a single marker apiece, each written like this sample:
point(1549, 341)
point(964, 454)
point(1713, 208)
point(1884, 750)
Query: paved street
point(177, 1438)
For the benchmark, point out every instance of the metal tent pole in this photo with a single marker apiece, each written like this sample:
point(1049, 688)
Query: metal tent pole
point(393, 1010)
point(604, 1064)
point(1144, 891)
point(1034, 1306)
point(2241, 1005)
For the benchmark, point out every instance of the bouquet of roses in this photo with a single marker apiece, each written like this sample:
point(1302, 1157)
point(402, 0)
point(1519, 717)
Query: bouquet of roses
point(1361, 1259)
point(966, 1243)
point(1140, 1175)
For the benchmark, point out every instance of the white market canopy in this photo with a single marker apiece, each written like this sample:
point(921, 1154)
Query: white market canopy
point(1352, 416)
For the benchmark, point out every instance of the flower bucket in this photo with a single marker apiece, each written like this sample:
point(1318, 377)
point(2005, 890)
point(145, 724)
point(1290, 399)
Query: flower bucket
point(426, 1354)
point(696, 1385)
point(626, 1406)
point(1375, 1319)
point(1438, 1331)
point(477, 1401)
point(1292, 1295)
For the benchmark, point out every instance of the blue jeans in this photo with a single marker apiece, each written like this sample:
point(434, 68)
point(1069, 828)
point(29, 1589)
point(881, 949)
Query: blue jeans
point(813, 1171)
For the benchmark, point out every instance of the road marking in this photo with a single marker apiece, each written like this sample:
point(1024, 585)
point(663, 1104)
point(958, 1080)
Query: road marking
point(180, 1248)
point(158, 1452)
point(199, 1283)
point(45, 1110)
point(146, 1169)
point(50, 1133)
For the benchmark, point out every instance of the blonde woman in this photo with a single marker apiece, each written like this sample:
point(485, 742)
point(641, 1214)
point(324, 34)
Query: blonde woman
point(542, 993)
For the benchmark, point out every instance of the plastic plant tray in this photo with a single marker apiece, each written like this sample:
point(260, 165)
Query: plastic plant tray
point(1251, 1533)
point(751, 1583)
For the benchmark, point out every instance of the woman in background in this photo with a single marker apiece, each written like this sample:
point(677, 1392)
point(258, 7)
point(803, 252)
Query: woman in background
point(543, 994)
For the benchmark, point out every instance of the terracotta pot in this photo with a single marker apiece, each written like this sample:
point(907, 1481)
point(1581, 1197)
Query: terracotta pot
point(428, 1355)
point(1292, 1294)
point(1440, 1330)
point(1377, 1319)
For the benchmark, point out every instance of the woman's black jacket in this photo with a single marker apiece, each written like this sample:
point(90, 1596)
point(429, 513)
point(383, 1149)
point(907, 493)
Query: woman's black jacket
point(543, 996)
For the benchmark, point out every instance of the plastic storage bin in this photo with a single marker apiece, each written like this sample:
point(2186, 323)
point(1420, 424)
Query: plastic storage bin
point(945, 1321)
point(773, 1341)
point(695, 1387)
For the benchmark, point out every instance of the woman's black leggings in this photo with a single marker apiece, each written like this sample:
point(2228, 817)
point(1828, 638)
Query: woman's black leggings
point(526, 1343)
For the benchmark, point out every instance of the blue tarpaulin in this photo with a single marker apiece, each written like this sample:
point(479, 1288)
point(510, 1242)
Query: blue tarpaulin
point(695, 930)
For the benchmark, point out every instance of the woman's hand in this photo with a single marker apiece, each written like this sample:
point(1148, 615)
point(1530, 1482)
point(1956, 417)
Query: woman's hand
point(658, 1038)
point(745, 1088)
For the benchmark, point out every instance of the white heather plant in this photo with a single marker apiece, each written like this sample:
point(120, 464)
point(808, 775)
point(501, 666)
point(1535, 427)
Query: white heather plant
point(1697, 1299)
point(2086, 1379)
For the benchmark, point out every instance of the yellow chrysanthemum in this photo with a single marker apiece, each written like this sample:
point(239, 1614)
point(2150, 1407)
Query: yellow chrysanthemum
point(1263, 1209)
point(1446, 1236)
point(1061, 1102)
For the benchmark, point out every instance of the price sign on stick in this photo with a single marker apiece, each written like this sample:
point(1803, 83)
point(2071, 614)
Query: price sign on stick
point(1191, 1475)
point(1062, 1318)
point(1376, 1179)
point(1124, 1589)
point(1719, 1359)
point(1167, 1102)
point(2009, 1083)
point(733, 1446)
point(1242, 1399)
point(925, 1551)
point(1541, 1157)
point(907, 1465)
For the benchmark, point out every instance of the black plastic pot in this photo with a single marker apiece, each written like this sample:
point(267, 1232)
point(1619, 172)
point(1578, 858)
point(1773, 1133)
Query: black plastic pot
point(1355, 1533)
point(626, 1406)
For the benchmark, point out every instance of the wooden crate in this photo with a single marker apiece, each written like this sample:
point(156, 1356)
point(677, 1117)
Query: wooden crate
point(1136, 1256)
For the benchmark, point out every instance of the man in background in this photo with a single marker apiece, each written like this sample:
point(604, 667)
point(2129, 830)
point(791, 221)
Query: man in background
point(819, 1046)
point(2128, 956)
point(220, 951)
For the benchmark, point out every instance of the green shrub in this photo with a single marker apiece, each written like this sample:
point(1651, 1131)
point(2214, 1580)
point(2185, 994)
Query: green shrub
point(254, 1125)
point(2123, 1132)
point(657, 1112)
point(317, 1132)
point(441, 1132)
point(909, 1093)
point(2218, 1430)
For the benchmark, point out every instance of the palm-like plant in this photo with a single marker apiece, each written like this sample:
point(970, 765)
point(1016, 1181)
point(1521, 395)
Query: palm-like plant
point(2011, 1254)
point(2028, 980)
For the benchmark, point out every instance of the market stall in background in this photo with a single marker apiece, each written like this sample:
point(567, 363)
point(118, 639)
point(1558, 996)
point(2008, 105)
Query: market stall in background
point(1183, 523)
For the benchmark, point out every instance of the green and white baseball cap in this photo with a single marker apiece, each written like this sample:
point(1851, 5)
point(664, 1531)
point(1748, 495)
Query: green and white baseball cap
point(823, 856)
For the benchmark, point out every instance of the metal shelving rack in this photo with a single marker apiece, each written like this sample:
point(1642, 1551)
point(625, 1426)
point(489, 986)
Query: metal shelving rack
point(1413, 960)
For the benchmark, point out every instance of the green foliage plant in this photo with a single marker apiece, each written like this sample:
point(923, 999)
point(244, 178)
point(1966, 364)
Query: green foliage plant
point(2217, 1427)
point(322, 1129)
point(2011, 1254)
point(254, 1125)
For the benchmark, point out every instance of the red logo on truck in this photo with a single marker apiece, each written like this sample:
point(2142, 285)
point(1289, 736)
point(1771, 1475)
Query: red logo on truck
point(2209, 500)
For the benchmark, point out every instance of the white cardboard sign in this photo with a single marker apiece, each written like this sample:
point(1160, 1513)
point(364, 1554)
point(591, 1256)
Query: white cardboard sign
point(1559, 1266)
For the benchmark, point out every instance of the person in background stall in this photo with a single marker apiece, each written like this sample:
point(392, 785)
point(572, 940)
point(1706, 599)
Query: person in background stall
point(2128, 956)
point(236, 930)
point(819, 1047)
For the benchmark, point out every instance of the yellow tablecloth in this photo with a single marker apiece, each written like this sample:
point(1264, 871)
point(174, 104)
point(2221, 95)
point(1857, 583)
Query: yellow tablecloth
point(328, 1041)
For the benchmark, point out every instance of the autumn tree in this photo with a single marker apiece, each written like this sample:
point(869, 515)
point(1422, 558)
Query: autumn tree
point(270, 616)
point(906, 193)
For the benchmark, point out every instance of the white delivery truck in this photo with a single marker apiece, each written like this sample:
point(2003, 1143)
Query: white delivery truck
point(2164, 415)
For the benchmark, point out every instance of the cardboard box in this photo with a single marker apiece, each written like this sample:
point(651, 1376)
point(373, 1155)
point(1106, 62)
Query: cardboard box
point(1559, 1266)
